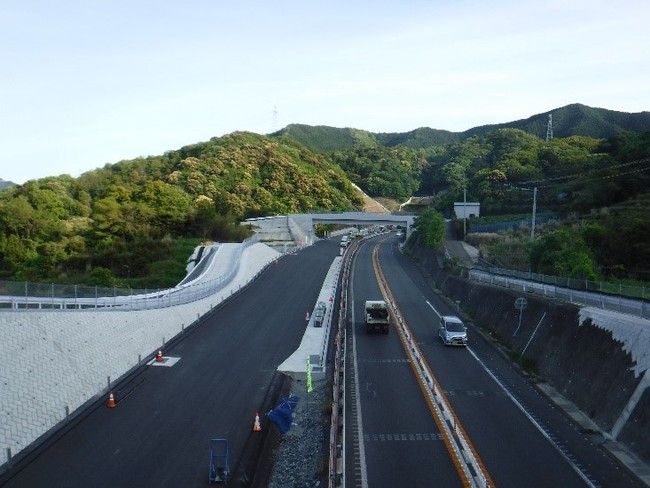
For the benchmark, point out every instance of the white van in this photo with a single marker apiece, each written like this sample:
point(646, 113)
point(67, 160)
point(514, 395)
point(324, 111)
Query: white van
point(452, 331)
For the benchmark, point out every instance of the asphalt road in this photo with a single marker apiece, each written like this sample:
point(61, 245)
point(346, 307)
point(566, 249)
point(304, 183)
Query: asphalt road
point(158, 435)
point(391, 437)
point(522, 439)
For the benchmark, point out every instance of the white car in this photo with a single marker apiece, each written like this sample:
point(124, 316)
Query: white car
point(452, 331)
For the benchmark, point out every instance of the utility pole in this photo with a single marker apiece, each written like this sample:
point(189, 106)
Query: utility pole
point(532, 224)
point(464, 212)
point(532, 227)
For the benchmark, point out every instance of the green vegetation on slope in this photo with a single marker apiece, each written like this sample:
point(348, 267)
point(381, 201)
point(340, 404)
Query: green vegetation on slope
point(572, 120)
point(113, 224)
point(383, 172)
point(125, 217)
point(324, 139)
point(597, 189)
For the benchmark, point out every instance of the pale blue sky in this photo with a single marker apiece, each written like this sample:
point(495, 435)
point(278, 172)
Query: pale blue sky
point(89, 82)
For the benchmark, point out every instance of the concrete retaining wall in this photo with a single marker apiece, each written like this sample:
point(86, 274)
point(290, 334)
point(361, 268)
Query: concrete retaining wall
point(582, 361)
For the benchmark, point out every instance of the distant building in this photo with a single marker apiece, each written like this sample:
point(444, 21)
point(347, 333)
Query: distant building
point(467, 210)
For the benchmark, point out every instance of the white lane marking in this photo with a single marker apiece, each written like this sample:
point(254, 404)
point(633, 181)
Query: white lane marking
point(534, 422)
point(433, 308)
point(526, 413)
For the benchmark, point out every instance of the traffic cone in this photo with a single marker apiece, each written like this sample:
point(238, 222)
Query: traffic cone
point(256, 425)
point(111, 401)
point(159, 356)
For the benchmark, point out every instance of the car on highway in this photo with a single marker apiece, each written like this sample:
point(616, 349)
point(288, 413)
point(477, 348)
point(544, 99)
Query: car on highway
point(452, 331)
point(319, 314)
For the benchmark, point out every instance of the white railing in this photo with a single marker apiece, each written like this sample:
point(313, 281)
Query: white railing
point(63, 297)
point(604, 301)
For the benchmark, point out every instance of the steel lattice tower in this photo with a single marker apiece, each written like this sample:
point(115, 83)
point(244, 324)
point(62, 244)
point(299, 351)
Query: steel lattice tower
point(274, 128)
point(549, 128)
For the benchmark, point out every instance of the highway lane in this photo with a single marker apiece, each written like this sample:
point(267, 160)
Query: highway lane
point(159, 433)
point(391, 436)
point(515, 451)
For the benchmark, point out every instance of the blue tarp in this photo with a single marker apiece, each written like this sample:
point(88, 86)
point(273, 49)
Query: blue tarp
point(282, 415)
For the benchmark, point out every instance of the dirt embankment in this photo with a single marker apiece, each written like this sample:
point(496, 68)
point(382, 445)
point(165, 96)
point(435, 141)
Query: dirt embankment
point(370, 204)
point(582, 362)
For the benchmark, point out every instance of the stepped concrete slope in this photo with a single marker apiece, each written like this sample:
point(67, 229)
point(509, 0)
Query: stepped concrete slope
point(283, 232)
point(53, 362)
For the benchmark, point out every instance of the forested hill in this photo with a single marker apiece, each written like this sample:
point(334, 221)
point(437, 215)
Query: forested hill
point(323, 139)
point(5, 184)
point(575, 120)
point(117, 220)
point(572, 120)
point(114, 222)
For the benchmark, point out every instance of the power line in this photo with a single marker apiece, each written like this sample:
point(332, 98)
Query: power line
point(539, 183)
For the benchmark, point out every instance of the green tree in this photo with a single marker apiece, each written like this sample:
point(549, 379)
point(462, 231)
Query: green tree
point(430, 225)
point(100, 276)
point(107, 215)
point(16, 252)
point(563, 253)
point(168, 205)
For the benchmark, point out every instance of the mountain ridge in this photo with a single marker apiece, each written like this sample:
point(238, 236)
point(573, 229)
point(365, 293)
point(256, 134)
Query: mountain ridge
point(570, 120)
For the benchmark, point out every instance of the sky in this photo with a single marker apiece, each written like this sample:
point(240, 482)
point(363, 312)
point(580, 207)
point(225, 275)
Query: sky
point(84, 83)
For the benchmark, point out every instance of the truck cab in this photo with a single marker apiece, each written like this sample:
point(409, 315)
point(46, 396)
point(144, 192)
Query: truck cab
point(377, 318)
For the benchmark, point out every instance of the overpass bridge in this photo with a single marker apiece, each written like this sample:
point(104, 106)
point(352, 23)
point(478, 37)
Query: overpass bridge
point(361, 218)
point(297, 230)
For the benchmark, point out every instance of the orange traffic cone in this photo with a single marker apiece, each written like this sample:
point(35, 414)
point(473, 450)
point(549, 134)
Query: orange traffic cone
point(111, 401)
point(159, 356)
point(256, 425)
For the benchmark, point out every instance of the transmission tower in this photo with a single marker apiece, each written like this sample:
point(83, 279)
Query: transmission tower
point(275, 119)
point(549, 128)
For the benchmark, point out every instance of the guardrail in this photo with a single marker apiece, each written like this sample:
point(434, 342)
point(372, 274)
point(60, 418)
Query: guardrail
point(54, 297)
point(601, 300)
point(615, 289)
point(335, 465)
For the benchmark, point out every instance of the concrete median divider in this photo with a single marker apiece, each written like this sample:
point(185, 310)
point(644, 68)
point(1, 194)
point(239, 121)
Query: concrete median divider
point(313, 347)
